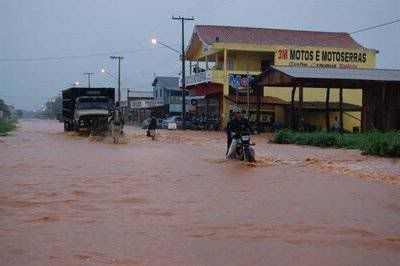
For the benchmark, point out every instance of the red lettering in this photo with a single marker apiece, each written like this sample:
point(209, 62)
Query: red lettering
point(283, 54)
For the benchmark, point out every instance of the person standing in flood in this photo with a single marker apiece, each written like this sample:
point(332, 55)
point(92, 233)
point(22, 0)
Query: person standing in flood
point(151, 129)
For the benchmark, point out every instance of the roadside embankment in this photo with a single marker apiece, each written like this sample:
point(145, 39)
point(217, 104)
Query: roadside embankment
point(370, 143)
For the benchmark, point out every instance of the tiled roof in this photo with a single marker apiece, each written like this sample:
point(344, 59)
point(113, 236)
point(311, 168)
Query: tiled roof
point(230, 34)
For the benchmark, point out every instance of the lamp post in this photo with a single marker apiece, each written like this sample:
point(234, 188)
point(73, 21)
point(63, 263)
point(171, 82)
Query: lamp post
point(182, 20)
point(156, 41)
point(108, 73)
point(88, 74)
point(119, 58)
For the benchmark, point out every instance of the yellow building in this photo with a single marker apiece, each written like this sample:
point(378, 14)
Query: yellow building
point(224, 59)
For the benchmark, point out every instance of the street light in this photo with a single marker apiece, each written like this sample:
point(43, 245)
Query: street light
point(89, 74)
point(119, 58)
point(155, 42)
point(108, 73)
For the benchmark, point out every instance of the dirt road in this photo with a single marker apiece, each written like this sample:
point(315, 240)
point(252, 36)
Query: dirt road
point(70, 200)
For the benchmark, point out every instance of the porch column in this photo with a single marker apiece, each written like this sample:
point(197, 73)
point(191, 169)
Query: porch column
point(190, 67)
point(225, 103)
point(292, 109)
point(206, 62)
point(259, 91)
point(363, 115)
point(327, 120)
point(301, 116)
point(225, 62)
point(341, 109)
point(207, 111)
point(216, 60)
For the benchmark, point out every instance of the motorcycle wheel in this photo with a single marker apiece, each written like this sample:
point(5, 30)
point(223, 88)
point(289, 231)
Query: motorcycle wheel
point(249, 155)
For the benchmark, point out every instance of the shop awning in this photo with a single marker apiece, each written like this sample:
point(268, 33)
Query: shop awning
point(253, 100)
point(196, 97)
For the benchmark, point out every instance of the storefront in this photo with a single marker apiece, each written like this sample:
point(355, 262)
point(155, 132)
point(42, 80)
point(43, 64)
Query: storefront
point(224, 60)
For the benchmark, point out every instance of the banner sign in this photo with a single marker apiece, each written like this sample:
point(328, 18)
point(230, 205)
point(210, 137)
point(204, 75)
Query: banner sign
point(238, 84)
point(325, 57)
point(205, 76)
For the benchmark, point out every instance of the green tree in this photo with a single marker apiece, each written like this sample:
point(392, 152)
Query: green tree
point(5, 109)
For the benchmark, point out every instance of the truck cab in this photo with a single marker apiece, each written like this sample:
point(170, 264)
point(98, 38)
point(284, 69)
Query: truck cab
point(87, 109)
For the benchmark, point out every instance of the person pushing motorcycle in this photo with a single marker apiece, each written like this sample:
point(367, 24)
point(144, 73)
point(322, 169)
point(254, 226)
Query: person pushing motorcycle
point(236, 126)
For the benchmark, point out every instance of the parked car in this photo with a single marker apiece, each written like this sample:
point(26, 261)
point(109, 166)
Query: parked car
point(177, 120)
point(171, 119)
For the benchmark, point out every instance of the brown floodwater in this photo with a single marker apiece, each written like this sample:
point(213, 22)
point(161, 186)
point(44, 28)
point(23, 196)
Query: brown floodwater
point(67, 199)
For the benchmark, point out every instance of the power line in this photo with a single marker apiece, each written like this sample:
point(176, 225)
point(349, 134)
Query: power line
point(77, 56)
point(397, 20)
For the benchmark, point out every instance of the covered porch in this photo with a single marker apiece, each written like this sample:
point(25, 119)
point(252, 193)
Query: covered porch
point(380, 93)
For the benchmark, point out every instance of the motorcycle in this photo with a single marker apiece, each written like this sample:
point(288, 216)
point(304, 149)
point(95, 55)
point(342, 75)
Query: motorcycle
point(244, 148)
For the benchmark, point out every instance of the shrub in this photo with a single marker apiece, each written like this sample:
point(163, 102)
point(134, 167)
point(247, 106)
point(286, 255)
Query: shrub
point(6, 126)
point(372, 143)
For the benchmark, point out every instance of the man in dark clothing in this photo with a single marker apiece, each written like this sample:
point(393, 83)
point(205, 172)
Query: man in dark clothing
point(237, 126)
point(151, 130)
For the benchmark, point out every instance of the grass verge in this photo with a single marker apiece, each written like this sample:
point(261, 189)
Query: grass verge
point(6, 126)
point(371, 143)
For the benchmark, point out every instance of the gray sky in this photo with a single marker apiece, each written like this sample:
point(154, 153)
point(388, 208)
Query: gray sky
point(51, 28)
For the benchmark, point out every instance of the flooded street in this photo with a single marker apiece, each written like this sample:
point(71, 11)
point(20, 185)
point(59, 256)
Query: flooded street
point(73, 200)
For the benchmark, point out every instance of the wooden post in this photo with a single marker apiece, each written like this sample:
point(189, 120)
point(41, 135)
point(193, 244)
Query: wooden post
point(327, 119)
point(206, 62)
point(207, 111)
point(341, 109)
point(190, 67)
point(225, 62)
point(301, 116)
point(259, 91)
point(363, 117)
point(292, 109)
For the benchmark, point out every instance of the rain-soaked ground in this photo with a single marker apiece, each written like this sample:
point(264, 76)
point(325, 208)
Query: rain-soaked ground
point(73, 200)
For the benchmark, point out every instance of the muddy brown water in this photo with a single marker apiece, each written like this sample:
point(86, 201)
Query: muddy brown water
point(67, 199)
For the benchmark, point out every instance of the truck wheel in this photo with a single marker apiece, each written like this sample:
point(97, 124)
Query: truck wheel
point(67, 127)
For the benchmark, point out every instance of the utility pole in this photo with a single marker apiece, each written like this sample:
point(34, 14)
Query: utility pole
point(183, 19)
point(88, 75)
point(119, 58)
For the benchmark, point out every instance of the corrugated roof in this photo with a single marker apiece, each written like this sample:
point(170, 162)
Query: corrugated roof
point(140, 94)
point(170, 83)
point(230, 34)
point(389, 75)
point(253, 99)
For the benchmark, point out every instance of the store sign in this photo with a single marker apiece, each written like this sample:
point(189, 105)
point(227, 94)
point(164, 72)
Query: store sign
point(239, 84)
point(205, 76)
point(325, 57)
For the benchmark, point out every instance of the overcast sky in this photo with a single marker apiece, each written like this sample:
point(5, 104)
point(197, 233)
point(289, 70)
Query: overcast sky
point(53, 28)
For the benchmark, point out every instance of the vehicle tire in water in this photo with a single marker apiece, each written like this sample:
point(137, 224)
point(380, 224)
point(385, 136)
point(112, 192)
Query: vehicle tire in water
point(67, 127)
point(248, 155)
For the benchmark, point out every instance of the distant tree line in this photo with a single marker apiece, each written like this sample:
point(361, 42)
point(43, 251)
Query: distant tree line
point(52, 109)
point(4, 109)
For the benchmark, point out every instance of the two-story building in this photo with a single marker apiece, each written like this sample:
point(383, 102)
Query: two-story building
point(167, 92)
point(224, 60)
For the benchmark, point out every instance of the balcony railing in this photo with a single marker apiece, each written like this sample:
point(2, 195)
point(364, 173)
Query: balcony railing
point(197, 78)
